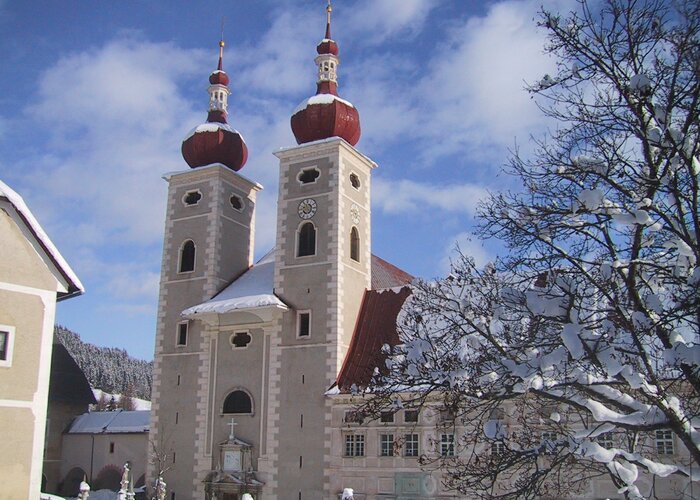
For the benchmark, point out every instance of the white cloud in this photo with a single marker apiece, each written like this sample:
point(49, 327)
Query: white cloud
point(113, 118)
point(475, 94)
point(469, 246)
point(374, 21)
point(409, 196)
point(282, 59)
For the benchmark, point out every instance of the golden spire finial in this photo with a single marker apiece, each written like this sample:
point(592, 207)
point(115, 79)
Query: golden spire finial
point(221, 46)
point(329, 9)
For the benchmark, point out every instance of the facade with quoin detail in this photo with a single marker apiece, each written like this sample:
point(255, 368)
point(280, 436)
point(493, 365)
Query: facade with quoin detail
point(256, 363)
point(246, 353)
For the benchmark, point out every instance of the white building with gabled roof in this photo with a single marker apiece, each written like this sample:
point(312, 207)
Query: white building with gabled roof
point(33, 277)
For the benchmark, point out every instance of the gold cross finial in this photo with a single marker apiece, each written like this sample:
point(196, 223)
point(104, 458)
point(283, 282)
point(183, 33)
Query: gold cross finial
point(329, 9)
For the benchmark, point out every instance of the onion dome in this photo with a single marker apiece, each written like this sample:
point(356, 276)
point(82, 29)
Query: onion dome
point(215, 141)
point(326, 115)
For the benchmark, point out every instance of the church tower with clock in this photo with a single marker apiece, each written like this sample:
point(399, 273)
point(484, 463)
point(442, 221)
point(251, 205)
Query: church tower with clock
point(322, 268)
point(246, 354)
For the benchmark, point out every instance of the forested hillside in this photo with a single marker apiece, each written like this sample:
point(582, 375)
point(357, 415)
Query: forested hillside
point(108, 368)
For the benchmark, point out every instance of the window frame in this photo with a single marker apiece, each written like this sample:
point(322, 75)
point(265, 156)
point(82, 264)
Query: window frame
point(229, 394)
point(447, 444)
point(605, 440)
point(9, 345)
point(411, 445)
point(297, 251)
point(354, 445)
point(387, 417)
point(386, 444)
point(406, 420)
point(354, 244)
point(189, 192)
point(238, 332)
point(240, 198)
point(549, 440)
point(304, 312)
point(664, 443)
point(178, 333)
point(308, 169)
point(181, 254)
point(498, 448)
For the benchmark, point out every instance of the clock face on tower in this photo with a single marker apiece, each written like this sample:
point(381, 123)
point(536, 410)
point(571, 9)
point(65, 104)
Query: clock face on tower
point(307, 208)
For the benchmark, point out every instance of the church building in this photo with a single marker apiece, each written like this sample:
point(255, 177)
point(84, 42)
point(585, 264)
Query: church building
point(247, 353)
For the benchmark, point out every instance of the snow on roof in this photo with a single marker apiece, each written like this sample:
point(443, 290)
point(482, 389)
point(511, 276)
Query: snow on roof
point(211, 127)
point(252, 290)
point(168, 175)
point(75, 287)
point(320, 99)
point(111, 422)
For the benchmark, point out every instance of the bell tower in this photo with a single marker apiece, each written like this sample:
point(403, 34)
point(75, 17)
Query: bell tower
point(322, 268)
point(208, 241)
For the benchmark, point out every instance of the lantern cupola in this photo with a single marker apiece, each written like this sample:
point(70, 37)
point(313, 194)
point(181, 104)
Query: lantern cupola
point(325, 114)
point(215, 141)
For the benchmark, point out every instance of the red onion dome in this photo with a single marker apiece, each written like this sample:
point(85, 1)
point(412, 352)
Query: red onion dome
point(323, 116)
point(327, 46)
point(218, 77)
point(215, 142)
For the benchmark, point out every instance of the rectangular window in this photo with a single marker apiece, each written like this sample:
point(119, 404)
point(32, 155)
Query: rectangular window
point(605, 440)
point(664, 442)
point(354, 445)
point(387, 417)
point(549, 441)
point(447, 445)
point(498, 448)
point(4, 344)
point(7, 338)
point(182, 333)
point(111, 447)
point(353, 417)
point(447, 415)
point(410, 446)
point(386, 445)
point(303, 324)
point(410, 416)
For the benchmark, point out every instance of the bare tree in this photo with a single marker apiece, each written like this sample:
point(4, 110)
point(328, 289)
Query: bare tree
point(126, 401)
point(587, 334)
point(160, 461)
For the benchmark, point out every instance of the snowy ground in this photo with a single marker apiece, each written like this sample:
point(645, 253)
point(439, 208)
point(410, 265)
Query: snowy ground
point(141, 404)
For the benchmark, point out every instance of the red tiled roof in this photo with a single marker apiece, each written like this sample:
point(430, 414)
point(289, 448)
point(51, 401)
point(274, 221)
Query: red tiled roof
point(385, 275)
point(376, 326)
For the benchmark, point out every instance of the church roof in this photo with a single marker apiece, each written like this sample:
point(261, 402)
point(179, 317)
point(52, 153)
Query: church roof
point(67, 382)
point(386, 275)
point(252, 290)
point(375, 327)
point(111, 422)
point(255, 287)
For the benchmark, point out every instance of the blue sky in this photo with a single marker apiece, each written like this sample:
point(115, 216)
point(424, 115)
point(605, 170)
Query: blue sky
point(96, 97)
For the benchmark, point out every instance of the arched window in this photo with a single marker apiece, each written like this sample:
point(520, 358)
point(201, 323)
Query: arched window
point(238, 402)
point(187, 257)
point(306, 240)
point(355, 244)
